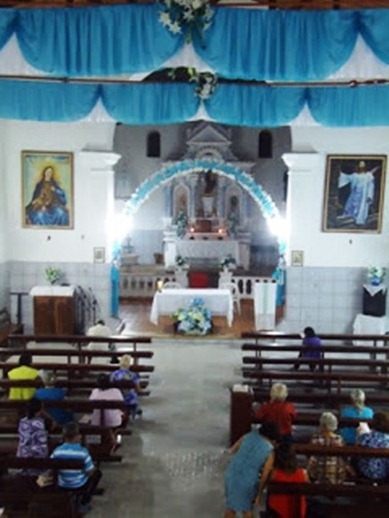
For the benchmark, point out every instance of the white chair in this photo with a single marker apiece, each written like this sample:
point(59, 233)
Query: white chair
point(234, 292)
point(171, 285)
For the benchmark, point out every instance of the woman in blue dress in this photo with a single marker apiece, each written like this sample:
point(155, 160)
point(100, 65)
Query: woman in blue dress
point(253, 459)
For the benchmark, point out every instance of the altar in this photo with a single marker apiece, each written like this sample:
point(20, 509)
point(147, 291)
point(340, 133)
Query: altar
point(218, 301)
point(208, 248)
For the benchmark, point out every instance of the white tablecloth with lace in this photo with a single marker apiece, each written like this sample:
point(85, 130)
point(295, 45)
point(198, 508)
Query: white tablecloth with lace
point(218, 301)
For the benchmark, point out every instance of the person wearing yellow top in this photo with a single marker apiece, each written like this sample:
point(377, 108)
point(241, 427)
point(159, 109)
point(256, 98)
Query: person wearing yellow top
point(23, 372)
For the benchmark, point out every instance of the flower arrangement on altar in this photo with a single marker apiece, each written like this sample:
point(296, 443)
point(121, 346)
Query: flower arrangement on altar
point(375, 275)
point(187, 16)
point(181, 262)
point(53, 275)
point(194, 320)
point(228, 262)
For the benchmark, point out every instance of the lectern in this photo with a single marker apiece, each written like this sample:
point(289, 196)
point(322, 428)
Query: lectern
point(54, 310)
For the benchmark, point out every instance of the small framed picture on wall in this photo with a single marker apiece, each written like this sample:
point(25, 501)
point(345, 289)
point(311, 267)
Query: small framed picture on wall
point(297, 258)
point(99, 254)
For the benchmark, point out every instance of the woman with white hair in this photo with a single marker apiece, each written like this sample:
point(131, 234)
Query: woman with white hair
point(131, 395)
point(326, 468)
point(357, 410)
point(278, 410)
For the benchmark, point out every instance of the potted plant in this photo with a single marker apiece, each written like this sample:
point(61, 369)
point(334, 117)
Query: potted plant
point(53, 275)
point(194, 320)
point(227, 263)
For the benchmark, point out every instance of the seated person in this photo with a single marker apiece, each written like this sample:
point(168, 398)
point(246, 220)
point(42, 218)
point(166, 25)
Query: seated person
point(286, 470)
point(278, 410)
point(113, 417)
point(24, 372)
point(131, 396)
point(58, 416)
point(311, 348)
point(101, 330)
point(33, 437)
point(375, 468)
point(83, 480)
point(329, 469)
point(357, 410)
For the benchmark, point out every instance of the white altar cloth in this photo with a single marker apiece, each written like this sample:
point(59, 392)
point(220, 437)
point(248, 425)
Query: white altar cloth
point(208, 249)
point(218, 301)
point(265, 305)
point(368, 325)
point(52, 291)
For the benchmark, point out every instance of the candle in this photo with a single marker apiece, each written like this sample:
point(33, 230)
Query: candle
point(159, 285)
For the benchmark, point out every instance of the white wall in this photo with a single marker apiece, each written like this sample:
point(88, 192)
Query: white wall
point(306, 189)
point(48, 244)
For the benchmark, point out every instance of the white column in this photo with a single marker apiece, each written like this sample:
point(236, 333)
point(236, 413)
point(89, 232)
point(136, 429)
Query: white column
point(304, 198)
point(95, 195)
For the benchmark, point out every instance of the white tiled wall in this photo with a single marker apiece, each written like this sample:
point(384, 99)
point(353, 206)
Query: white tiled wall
point(327, 299)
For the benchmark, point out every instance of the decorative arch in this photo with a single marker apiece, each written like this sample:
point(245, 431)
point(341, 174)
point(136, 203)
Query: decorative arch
point(246, 182)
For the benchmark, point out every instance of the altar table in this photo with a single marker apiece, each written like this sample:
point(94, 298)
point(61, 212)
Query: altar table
point(218, 301)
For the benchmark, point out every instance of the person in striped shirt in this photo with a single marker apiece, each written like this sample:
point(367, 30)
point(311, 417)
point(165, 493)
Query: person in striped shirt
point(84, 480)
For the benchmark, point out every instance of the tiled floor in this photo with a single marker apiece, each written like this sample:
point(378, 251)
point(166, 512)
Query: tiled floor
point(175, 459)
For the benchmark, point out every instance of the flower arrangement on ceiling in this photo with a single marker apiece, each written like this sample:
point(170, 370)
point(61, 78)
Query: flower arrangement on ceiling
point(191, 17)
point(375, 275)
point(195, 320)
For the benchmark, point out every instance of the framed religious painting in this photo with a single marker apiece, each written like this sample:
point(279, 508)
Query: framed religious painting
point(47, 190)
point(354, 193)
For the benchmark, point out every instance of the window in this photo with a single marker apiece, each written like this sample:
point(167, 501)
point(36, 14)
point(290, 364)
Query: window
point(265, 144)
point(154, 144)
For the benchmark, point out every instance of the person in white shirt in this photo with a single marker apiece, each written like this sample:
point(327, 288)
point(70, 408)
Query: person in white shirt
point(100, 329)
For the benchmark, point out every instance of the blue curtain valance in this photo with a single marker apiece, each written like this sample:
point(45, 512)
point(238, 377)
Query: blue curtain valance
point(148, 103)
point(241, 43)
point(95, 41)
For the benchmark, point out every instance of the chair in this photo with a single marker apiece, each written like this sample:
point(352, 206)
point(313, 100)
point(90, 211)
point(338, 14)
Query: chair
point(171, 285)
point(234, 292)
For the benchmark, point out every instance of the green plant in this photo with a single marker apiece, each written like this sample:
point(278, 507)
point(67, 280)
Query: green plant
point(53, 275)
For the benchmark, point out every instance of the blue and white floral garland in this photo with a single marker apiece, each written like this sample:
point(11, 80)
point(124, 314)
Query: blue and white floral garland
point(267, 205)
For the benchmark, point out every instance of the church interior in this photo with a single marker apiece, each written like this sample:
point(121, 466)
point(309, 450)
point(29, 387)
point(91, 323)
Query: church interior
point(234, 152)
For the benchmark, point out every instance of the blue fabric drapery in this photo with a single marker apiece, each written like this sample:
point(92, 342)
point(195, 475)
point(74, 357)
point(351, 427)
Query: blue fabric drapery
point(167, 103)
point(255, 105)
point(279, 45)
point(150, 103)
point(47, 102)
point(241, 43)
point(95, 41)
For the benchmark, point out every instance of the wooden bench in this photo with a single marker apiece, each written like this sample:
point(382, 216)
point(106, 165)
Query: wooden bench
point(242, 416)
point(7, 328)
point(261, 338)
point(21, 495)
point(80, 341)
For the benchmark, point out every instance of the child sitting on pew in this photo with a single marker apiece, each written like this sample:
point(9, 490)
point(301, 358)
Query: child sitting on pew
point(83, 482)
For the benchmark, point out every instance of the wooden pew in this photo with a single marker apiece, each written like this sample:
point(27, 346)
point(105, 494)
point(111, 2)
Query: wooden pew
point(242, 417)
point(21, 495)
point(101, 451)
point(7, 328)
point(79, 341)
point(276, 336)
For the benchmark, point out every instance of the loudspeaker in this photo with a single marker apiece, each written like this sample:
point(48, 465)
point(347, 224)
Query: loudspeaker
point(374, 305)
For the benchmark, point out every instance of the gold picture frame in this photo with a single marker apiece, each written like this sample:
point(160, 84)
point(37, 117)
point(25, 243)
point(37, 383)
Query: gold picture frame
point(47, 190)
point(354, 193)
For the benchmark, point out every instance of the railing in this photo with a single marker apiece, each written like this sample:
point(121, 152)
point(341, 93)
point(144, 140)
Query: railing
point(141, 285)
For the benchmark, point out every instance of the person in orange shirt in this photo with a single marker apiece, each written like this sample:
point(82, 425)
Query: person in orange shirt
point(278, 410)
